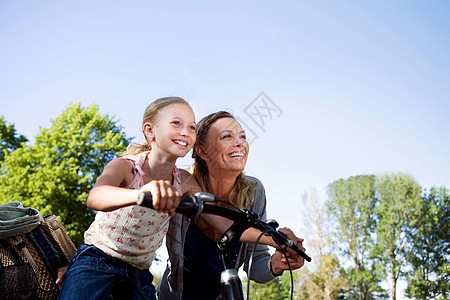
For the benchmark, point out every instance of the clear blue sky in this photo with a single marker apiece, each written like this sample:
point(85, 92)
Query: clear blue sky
point(361, 87)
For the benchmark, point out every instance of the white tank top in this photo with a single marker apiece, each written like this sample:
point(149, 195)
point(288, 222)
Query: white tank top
point(132, 233)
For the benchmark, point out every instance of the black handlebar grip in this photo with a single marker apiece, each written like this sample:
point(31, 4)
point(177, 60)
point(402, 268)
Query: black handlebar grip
point(189, 204)
point(145, 199)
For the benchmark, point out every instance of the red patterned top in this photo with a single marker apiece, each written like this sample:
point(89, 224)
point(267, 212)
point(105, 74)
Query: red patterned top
point(132, 233)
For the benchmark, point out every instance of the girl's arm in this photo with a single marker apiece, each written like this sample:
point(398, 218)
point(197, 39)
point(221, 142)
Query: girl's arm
point(109, 192)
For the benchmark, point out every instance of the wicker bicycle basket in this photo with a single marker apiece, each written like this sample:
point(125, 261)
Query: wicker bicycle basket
point(29, 262)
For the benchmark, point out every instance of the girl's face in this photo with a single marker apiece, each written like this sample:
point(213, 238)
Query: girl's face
point(173, 131)
point(226, 146)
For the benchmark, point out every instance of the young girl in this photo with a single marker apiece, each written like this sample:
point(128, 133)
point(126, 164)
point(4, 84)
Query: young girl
point(120, 244)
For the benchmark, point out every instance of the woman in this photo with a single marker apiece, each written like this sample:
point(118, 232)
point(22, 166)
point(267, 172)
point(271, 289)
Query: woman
point(194, 268)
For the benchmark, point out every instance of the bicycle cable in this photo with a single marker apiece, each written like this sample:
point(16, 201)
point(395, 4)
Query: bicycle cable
point(267, 232)
point(195, 205)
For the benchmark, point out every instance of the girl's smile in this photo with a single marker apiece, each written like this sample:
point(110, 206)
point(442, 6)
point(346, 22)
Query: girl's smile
point(173, 133)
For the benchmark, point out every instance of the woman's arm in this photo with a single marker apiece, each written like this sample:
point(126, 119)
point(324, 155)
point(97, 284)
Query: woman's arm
point(250, 235)
point(278, 262)
point(221, 224)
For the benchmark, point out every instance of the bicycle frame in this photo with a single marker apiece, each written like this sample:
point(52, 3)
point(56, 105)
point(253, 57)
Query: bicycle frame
point(230, 282)
point(193, 205)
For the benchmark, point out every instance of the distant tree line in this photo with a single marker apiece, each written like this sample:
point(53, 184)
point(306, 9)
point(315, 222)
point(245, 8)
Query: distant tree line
point(370, 230)
point(378, 229)
point(369, 233)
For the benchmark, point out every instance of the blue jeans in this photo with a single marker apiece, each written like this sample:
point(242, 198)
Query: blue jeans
point(92, 274)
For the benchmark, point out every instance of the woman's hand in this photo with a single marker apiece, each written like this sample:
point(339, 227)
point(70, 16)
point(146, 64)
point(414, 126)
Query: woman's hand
point(279, 261)
point(165, 196)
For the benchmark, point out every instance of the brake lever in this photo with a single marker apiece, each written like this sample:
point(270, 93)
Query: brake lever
point(205, 197)
point(272, 225)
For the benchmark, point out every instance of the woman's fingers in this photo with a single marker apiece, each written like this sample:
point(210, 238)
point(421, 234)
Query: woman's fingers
point(295, 260)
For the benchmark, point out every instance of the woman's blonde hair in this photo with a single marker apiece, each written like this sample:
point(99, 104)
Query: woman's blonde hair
point(242, 193)
point(151, 116)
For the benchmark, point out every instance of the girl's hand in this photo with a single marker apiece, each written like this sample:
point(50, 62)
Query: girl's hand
point(164, 195)
point(279, 261)
point(62, 272)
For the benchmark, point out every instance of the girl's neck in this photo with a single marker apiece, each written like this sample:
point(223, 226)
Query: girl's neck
point(158, 167)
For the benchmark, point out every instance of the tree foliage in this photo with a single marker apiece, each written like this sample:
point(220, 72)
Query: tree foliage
point(326, 282)
point(9, 139)
point(429, 244)
point(56, 173)
point(352, 203)
point(399, 199)
point(324, 277)
point(388, 231)
point(277, 289)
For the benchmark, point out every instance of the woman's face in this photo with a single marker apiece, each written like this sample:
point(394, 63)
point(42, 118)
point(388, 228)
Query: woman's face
point(226, 147)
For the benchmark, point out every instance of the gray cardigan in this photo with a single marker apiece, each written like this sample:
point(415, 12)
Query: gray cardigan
point(171, 286)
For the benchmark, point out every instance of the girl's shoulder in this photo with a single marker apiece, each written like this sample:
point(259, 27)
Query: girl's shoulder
point(137, 158)
point(117, 172)
point(119, 164)
point(137, 162)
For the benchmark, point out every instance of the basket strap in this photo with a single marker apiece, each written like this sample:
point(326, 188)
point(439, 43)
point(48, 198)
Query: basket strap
point(49, 254)
point(11, 251)
point(20, 242)
point(60, 236)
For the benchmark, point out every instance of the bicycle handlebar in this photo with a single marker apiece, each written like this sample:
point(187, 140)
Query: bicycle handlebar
point(192, 205)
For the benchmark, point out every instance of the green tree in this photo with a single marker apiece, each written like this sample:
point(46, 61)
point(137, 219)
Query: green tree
point(323, 278)
point(9, 140)
point(399, 198)
point(326, 282)
point(277, 289)
point(352, 203)
point(56, 173)
point(429, 240)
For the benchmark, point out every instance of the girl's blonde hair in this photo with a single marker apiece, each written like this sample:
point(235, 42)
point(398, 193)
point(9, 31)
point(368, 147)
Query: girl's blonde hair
point(151, 116)
point(242, 193)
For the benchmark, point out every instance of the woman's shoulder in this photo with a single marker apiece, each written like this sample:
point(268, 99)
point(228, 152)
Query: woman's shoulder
point(256, 181)
point(188, 182)
point(259, 194)
point(184, 174)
